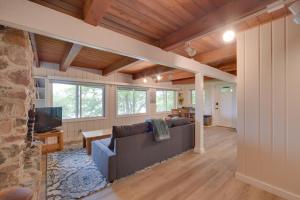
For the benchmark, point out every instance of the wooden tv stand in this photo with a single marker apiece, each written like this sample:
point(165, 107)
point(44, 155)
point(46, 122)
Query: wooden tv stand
point(48, 148)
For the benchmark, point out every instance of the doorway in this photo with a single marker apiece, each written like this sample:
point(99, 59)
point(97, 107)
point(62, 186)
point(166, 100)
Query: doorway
point(225, 105)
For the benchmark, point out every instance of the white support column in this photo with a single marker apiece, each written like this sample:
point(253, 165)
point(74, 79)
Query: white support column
point(199, 107)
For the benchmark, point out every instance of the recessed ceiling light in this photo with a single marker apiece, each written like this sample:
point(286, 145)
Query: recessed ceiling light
point(228, 36)
point(145, 80)
point(158, 77)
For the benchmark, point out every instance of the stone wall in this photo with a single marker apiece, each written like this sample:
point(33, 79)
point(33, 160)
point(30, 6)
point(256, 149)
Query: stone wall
point(16, 95)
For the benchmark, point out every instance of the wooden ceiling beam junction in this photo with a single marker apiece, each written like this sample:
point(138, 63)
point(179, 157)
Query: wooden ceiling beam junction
point(119, 65)
point(184, 81)
point(109, 40)
point(69, 56)
point(94, 10)
point(210, 57)
point(175, 75)
point(158, 69)
point(189, 80)
point(231, 12)
point(228, 68)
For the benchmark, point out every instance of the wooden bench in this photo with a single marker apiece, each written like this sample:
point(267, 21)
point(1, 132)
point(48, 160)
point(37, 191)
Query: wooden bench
point(89, 136)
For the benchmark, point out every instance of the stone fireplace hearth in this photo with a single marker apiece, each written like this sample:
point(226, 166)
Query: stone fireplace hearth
point(19, 158)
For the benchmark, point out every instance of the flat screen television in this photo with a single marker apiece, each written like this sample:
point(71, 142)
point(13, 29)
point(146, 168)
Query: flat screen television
point(47, 119)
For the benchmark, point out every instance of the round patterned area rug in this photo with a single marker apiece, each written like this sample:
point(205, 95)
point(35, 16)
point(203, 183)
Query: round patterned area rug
point(72, 174)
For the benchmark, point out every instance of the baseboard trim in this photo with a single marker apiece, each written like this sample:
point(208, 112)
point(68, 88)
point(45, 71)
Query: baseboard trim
point(199, 150)
point(265, 186)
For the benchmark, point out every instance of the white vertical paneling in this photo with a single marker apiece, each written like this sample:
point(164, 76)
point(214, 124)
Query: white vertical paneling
point(252, 101)
point(265, 101)
point(241, 100)
point(272, 110)
point(279, 116)
point(293, 106)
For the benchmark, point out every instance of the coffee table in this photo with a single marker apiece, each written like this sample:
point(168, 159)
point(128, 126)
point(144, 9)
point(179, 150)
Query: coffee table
point(89, 136)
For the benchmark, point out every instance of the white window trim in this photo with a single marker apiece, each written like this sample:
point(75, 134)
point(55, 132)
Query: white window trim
point(175, 102)
point(192, 97)
point(134, 114)
point(78, 106)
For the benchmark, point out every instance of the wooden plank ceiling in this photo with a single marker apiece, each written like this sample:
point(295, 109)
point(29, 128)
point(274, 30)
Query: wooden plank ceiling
point(165, 23)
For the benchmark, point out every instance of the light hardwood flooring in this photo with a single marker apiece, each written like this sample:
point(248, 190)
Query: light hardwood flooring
point(189, 176)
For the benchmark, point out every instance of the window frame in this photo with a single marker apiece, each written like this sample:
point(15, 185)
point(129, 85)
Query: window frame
point(79, 99)
point(193, 91)
point(130, 89)
point(166, 99)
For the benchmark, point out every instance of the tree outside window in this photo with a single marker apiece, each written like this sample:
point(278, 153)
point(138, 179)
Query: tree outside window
point(131, 101)
point(165, 100)
point(78, 101)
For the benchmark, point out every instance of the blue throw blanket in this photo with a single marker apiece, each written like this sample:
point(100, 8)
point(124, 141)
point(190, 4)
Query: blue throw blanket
point(160, 130)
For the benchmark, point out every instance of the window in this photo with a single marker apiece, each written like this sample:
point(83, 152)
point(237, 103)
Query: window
point(131, 101)
point(78, 101)
point(165, 100)
point(193, 97)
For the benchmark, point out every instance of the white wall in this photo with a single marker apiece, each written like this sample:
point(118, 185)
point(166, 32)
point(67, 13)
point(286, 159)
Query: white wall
point(72, 128)
point(268, 107)
point(210, 88)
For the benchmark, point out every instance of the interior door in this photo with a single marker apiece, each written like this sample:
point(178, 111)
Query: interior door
point(225, 105)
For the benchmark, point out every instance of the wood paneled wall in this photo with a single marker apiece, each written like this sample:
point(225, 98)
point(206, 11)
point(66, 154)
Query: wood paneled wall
point(268, 60)
point(72, 129)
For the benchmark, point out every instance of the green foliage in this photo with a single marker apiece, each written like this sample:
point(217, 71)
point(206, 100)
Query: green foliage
point(193, 97)
point(91, 101)
point(165, 100)
point(78, 101)
point(64, 95)
point(160, 101)
point(170, 100)
point(131, 101)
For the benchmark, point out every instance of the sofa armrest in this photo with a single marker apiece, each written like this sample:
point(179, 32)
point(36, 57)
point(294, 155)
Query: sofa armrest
point(105, 160)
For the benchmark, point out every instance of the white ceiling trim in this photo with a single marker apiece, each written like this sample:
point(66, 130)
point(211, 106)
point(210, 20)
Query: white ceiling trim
point(29, 16)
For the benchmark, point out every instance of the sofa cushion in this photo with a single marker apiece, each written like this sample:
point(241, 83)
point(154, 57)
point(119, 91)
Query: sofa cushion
point(127, 130)
point(180, 121)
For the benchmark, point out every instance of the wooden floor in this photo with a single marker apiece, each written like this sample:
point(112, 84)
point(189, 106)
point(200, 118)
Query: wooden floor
point(190, 176)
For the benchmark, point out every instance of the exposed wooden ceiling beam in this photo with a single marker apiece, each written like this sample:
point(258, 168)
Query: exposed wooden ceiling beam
point(230, 12)
point(189, 80)
point(181, 75)
point(170, 76)
point(210, 57)
point(184, 81)
point(69, 56)
point(228, 68)
point(119, 65)
point(184, 76)
point(94, 10)
point(158, 69)
point(109, 41)
point(34, 48)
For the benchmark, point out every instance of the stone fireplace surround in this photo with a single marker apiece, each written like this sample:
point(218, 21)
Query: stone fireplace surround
point(19, 158)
